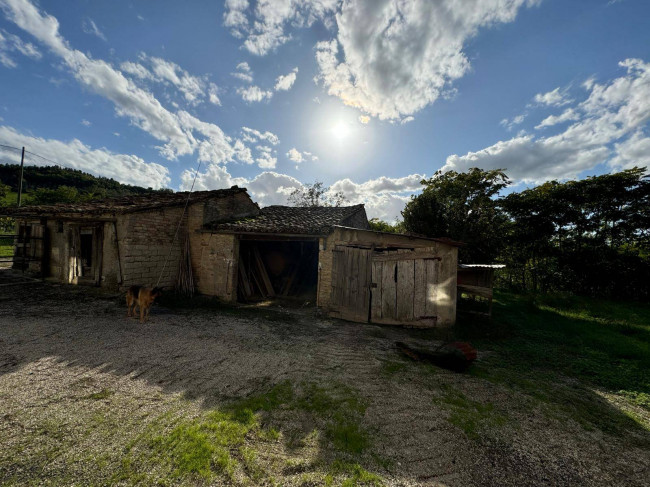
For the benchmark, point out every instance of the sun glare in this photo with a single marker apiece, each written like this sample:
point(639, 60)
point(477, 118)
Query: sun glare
point(341, 130)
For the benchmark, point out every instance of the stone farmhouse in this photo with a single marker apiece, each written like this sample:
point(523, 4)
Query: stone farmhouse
point(237, 251)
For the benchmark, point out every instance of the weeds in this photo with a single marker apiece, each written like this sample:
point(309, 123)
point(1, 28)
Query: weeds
point(474, 418)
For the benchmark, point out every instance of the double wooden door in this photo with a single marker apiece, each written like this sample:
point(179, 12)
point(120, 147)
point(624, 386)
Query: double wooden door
point(396, 287)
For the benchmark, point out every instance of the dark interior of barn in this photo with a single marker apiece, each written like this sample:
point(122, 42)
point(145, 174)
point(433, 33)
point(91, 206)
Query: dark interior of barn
point(277, 269)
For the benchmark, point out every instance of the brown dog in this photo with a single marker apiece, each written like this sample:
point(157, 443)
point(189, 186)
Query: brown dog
point(143, 297)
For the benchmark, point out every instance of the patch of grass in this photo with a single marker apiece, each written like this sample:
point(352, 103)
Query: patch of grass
point(251, 464)
point(224, 443)
point(343, 410)
point(474, 418)
point(350, 475)
point(391, 367)
point(557, 348)
point(202, 447)
point(97, 396)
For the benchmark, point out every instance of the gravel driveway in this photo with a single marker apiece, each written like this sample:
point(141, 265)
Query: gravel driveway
point(61, 345)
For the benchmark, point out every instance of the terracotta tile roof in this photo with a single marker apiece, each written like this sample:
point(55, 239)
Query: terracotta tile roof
point(317, 220)
point(122, 204)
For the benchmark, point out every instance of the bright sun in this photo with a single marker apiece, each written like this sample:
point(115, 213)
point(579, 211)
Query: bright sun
point(341, 130)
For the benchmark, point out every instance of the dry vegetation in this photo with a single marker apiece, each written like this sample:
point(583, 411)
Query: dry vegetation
point(205, 394)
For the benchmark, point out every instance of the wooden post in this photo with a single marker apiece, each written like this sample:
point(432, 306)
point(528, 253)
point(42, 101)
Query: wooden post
point(20, 183)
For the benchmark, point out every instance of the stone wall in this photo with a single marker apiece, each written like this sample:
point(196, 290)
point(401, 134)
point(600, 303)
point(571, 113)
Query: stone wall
point(218, 210)
point(214, 259)
point(146, 249)
point(358, 220)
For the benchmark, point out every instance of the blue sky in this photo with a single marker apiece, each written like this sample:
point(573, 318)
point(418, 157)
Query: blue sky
point(368, 96)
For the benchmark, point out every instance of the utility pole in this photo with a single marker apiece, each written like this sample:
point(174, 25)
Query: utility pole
point(20, 184)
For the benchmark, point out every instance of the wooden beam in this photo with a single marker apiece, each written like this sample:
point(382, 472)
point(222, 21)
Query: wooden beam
point(406, 256)
point(484, 292)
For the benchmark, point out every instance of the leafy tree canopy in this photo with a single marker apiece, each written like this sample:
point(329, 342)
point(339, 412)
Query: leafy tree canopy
point(461, 206)
point(315, 194)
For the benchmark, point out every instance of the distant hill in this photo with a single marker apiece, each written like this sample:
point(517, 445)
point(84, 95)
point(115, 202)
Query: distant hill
point(52, 184)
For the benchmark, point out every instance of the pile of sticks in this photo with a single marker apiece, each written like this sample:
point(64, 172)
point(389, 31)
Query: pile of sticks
point(254, 280)
point(185, 278)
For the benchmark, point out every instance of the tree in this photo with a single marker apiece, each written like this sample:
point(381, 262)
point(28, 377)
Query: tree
point(315, 195)
point(382, 226)
point(62, 194)
point(461, 206)
point(4, 190)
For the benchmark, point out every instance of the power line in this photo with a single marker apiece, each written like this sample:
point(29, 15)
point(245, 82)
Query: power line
point(29, 152)
point(44, 158)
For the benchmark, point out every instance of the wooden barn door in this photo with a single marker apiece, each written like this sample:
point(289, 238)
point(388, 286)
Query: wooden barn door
point(351, 273)
point(404, 289)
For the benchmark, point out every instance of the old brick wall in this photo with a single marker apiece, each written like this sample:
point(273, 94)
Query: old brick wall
point(215, 258)
point(145, 240)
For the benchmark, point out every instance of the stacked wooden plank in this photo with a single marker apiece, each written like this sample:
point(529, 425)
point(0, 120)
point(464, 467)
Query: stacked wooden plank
point(254, 279)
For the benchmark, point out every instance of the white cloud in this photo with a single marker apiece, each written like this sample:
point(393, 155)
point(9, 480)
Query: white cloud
point(566, 116)
point(406, 120)
point(296, 156)
point(129, 169)
point(213, 95)
point(246, 77)
point(137, 70)
point(180, 133)
point(10, 43)
point(364, 119)
point(89, 27)
point(242, 152)
point(267, 188)
point(86, 123)
point(285, 82)
point(265, 158)
point(635, 151)
point(265, 29)
point(509, 124)
point(252, 135)
point(612, 111)
point(555, 98)
point(399, 57)
point(243, 73)
point(243, 66)
point(254, 94)
point(384, 197)
point(191, 86)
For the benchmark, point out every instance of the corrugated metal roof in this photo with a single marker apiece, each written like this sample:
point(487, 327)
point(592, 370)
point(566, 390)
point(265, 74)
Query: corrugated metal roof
point(481, 266)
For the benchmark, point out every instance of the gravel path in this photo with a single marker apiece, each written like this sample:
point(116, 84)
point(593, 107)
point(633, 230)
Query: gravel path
point(58, 344)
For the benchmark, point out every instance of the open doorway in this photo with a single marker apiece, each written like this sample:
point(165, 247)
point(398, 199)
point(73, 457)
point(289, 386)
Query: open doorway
point(85, 254)
point(272, 269)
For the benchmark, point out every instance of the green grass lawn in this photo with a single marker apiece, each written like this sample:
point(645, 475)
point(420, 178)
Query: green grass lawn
point(6, 247)
point(559, 349)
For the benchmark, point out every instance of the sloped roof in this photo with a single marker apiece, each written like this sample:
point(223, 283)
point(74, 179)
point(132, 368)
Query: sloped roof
point(122, 204)
point(317, 220)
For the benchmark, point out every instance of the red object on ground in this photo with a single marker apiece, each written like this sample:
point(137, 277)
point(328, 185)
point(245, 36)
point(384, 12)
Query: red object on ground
point(469, 352)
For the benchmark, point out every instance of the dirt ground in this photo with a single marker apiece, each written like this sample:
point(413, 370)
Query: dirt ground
point(79, 382)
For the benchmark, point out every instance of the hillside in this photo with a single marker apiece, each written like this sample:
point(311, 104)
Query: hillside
point(51, 184)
